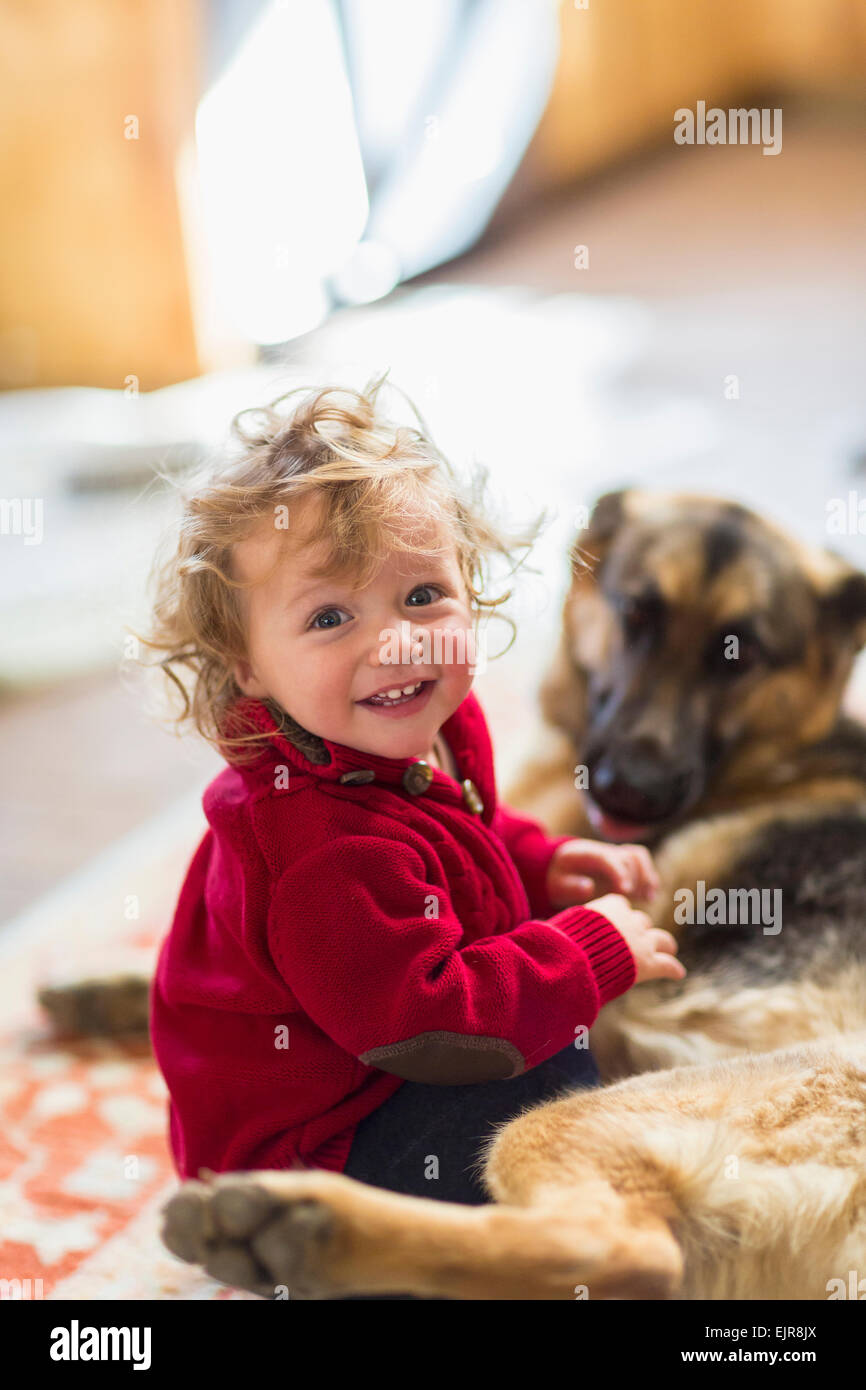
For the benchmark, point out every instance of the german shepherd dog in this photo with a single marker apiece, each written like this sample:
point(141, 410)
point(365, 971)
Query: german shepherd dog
point(693, 704)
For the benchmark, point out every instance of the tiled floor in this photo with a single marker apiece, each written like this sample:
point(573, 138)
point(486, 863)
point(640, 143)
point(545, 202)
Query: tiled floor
point(737, 264)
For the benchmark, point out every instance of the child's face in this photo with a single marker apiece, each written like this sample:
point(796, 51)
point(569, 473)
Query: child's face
point(319, 648)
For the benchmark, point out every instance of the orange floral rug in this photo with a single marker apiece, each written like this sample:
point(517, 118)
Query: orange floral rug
point(84, 1161)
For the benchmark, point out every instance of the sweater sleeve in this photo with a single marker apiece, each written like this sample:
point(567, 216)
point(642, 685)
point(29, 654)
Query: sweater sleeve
point(371, 950)
point(532, 849)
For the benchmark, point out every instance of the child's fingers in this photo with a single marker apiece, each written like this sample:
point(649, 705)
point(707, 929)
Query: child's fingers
point(626, 869)
point(650, 881)
point(616, 878)
point(645, 880)
point(577, 888)
point(664, 941)
point(609, 865)
point(667, 967)
point(629, 869)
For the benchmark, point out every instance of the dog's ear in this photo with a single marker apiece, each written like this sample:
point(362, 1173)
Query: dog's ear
point(843, 603)
point(605, 519)
point(563, 691)
point(608, 514)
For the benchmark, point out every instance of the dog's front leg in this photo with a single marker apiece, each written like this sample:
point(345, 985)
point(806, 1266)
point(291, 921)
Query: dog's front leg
point(319, 1235)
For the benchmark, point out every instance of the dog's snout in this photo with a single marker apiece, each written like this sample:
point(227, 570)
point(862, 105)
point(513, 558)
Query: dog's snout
point(638, 784)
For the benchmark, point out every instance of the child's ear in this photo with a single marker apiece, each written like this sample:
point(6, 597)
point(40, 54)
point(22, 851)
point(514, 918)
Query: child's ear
point(247, 681)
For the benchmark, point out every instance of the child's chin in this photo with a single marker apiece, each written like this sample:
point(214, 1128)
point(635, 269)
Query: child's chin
point(406, 742)
point(396, 738)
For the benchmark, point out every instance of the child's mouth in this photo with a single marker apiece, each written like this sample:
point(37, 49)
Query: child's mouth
point(400, 700)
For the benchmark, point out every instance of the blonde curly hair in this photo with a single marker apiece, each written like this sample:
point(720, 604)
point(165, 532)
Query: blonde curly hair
point(374, 477)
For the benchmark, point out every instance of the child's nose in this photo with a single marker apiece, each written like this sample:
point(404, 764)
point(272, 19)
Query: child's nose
point(401, 644)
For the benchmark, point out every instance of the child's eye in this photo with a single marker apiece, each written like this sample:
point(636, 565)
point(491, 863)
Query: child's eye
point(424, 589)
point(326, 613)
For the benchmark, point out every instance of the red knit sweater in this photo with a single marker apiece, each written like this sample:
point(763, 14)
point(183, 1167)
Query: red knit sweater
point(333, 938)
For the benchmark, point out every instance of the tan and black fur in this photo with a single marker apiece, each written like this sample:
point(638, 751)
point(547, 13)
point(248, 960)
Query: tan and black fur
point(730, 1159)
point(759, 781)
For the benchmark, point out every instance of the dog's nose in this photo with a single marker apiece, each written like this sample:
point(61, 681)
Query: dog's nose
point(637, 788)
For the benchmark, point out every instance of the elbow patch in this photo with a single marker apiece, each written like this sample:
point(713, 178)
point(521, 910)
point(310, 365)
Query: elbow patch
point(448, 1059)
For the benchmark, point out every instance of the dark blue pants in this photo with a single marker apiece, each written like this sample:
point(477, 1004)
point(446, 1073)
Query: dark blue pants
point(425, 1140)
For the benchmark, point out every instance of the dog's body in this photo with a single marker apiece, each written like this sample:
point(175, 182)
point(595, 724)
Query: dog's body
point(734, 1165)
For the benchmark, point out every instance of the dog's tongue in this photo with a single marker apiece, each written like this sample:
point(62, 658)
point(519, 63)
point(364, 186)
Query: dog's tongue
point(609, 828)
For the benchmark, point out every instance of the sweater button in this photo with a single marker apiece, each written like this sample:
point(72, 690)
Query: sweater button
point(417, 778)
point(472, 797)
point(358, 777)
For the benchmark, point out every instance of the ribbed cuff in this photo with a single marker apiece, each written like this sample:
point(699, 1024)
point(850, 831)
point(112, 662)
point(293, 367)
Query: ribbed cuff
point(613, 964)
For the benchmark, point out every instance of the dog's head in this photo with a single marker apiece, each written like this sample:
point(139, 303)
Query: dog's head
point(702, 648)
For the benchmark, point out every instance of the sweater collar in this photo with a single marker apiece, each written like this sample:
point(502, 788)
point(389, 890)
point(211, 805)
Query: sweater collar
point(465, 732)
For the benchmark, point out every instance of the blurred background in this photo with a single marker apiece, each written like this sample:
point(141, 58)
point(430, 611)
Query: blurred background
point(206, 202)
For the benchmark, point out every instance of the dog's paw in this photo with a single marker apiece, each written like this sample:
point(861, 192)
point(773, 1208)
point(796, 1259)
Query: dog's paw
point(252, 1237)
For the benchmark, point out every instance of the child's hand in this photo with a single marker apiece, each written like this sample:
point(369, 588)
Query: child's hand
point(581, 868)
point(654, 950)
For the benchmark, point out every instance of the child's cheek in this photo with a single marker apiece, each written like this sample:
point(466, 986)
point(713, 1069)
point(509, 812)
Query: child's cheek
point(463, 649)
point(326, 679)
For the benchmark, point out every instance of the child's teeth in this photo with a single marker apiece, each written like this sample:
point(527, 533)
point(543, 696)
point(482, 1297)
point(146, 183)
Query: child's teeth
point(399, 694)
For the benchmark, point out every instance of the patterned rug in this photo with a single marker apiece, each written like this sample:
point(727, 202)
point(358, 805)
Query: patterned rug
point(84, 1162)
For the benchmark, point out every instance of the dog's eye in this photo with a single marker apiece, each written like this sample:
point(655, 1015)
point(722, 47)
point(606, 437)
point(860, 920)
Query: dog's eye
point(638, 614)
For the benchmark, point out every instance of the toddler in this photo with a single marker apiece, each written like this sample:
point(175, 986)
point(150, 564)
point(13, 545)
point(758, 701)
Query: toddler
point(372, 961)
